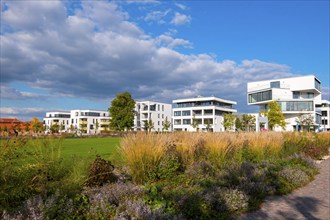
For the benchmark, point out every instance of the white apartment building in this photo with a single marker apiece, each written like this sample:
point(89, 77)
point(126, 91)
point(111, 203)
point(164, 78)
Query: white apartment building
point(324, 107)
point(207, 111)
point(79, 121)
point(296, 96)
point(157, 112)
point(90, 121)
point(61, 119)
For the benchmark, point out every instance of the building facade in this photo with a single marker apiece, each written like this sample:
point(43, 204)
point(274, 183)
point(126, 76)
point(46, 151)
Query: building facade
point(59, 119)
point(324, 107)
point(200, 113)
point(296, 96)
point(157, 112)
point(78, 121)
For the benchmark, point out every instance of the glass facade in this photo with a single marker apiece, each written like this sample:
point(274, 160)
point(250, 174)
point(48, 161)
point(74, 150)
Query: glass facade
point(317, 84)
point(260, 96)
point(186, 121)
point(275, 84)
point(206, 103)
point(296, 106)
point(185, 113)
point(295, 95)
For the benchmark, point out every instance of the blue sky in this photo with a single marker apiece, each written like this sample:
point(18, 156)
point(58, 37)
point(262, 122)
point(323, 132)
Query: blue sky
point(62, 55)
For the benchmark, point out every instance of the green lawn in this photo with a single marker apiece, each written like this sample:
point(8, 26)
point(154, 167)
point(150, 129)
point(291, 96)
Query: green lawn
point(86, 147)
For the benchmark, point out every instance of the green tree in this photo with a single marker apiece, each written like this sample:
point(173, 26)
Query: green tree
point(35, 124)
point(248, 121)
point(275, 115)
point(26, 127)
point(61, 127)
point(229, 121)
point(166, 124)
point(238, 124)
point(122, 112)
point(194, 122)
point(305, 121)
point(148, 125)
point(208, 124)
point(96, 126)
point(54, 128)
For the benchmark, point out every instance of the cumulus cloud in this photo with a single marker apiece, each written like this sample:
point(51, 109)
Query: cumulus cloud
point(8, 92)
point(156, 16)
point(24, 114)
point(180, 19)
point(97, 52)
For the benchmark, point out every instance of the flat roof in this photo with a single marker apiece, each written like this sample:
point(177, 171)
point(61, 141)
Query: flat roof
point(210, 98)
point(286, 78)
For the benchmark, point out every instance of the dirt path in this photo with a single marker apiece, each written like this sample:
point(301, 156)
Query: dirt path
point(309, 202)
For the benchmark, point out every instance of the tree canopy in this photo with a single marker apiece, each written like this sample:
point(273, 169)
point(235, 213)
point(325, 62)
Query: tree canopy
point(122, 112)
point(229, 121)
point(275, 115)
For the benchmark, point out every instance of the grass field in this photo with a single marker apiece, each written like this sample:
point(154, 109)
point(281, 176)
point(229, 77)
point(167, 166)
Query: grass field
point(67, 148)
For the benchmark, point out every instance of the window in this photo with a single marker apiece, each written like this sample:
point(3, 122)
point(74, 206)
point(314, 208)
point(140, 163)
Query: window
point(185, 113)
point(186, 121)
point(260, 96)
point(296, 95)
point(177, 122)
point(177, 113)
point(162, 115)
point(296, 106)
point(310, 95)
point(324, 113)
point(275, 84)
point(162, 107)
point(317, 84)
point(158, 115)
point(325, 122)
point(158, 123)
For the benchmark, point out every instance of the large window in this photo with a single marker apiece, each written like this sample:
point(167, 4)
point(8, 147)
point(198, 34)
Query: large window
point(296, 106)
point(275, 84)
point(260, 96)
point(186, 113)
point(177, 113)
point(186, 121)
point(317, 84)
point(296, 95)
point(177, 122)
point(324, 113)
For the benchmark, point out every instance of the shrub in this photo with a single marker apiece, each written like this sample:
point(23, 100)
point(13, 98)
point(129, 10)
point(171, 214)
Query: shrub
point(100, 172)
point(235, 200)
point(291, 178)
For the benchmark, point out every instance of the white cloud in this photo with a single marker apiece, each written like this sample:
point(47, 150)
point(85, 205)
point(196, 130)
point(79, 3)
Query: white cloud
point(181, 6)
point(170, 42)
point(180, 19)
point(24, 114)
point(156, 16)
point(97, 52)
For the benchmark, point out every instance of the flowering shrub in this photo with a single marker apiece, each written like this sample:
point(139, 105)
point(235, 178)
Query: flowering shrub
point(235, 200)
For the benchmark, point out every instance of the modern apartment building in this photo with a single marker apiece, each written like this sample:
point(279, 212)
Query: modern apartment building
point(60, 119)
point(207, 112)
point(157, 112)
point(324, 107)
point(90, 121)
point(80, 121)
point(296, 96)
